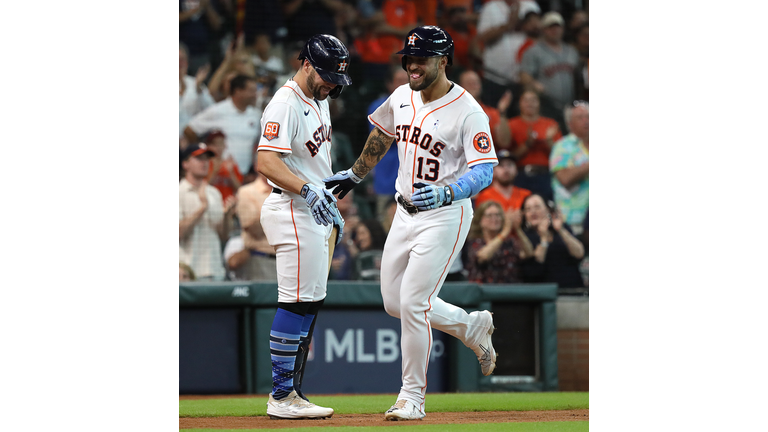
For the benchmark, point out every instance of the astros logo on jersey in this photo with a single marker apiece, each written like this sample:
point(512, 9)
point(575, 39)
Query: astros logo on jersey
point(271, 130)
point(342, 66)
point(482, 142)
point(412, 40)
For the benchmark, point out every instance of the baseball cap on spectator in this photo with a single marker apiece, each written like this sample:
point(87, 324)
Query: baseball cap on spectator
point(216, 133)
point(505, 154)
point(527, 7)
point(194, 150)
point(552, 18)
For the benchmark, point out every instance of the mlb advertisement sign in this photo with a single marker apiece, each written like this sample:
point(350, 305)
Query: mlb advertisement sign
point(359, 352)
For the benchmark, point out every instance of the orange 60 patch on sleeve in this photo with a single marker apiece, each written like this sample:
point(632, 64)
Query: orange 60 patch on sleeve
point(482, 142)
point(271, 130)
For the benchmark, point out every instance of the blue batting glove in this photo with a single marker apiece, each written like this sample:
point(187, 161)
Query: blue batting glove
point(342, 181)
point(338, 221)
point(428, 197)
point(320, 208)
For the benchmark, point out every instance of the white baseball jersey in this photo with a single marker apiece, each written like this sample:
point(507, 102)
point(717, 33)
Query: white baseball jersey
point(299, 128)
point(436, 142)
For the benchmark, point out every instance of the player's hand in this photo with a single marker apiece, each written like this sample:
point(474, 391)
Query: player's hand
point(315, 198)
point(428, 197)
point(342, 182)
point(338, 221)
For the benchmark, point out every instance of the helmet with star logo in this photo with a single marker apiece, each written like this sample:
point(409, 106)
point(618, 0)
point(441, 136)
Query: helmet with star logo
point(330, 58)
point(428, 41)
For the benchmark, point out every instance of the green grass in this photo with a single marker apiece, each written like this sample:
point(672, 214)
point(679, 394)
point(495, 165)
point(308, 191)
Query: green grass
point(570, 426)
point(372, 404)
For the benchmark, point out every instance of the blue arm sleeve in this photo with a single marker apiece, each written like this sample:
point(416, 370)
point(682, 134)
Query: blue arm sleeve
point(470, 184)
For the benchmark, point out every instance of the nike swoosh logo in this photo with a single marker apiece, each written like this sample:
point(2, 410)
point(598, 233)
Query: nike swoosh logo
point(306, 112)
point(404, 105)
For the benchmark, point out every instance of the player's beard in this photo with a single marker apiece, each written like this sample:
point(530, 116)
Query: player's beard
point(429, 77)
point(316, 90)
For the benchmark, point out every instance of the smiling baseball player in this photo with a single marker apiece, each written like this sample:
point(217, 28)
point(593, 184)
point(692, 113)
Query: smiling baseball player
point(446, 156)
point(300, 215)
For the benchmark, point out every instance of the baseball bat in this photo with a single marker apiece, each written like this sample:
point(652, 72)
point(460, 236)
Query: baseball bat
point(332, 240)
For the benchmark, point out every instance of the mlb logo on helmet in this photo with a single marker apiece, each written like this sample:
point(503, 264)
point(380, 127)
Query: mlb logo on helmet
point(271, 130)
point(482, 142)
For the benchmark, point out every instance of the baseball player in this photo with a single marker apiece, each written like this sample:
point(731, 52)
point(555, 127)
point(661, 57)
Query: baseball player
point(446, 156)
point(300, 216)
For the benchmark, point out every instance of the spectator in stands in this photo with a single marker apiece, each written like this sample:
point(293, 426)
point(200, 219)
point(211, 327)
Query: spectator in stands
point(237, 61)
point(236, 117)
point(262, 57)
point(342, 263)
point(193, 95)
point(497, 117)
point(581, 73)
point(555, 246)
point(306, 18)
point(292, 55)
point(389, 216)
point(497, 31)
point(494, 256)
point(502, 189)
point(532, 139)
point(548, 68)
point(369, 235)
point(223, 174)
point(463, 33)
point(185, 273)
point(203, 218)
point(385, 172)
point(257, 260)
point(569, 164)
point(531, 26)
point(385, 31)
point(197, 20)
point(578, 19)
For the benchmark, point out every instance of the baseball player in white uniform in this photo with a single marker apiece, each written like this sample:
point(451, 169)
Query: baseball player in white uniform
point(299, 216)
point(446, 156)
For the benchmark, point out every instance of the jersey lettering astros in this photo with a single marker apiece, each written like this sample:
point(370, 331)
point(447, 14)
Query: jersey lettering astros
point(437, 142)
point(300, 129)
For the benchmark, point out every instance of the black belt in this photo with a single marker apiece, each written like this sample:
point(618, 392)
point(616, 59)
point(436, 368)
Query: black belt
point(410, 208)
point(277, 191)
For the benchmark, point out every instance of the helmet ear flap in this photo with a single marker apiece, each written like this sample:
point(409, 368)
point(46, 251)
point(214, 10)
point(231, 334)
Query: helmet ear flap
point(333, 94)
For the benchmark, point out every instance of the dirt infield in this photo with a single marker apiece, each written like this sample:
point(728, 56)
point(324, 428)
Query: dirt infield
point(264, 422)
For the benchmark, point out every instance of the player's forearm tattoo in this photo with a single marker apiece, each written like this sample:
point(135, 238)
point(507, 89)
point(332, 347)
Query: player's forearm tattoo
point(375, 148)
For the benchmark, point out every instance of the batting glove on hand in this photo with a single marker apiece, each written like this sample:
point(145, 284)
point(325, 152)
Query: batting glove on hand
point(321, 210)
point(343, 181)
point(338, 221)
point(428, 197)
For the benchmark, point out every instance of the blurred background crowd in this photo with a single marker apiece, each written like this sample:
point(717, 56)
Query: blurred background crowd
point(526, 62)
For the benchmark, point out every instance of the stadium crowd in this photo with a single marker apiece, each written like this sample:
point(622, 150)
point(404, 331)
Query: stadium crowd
point(526, 62)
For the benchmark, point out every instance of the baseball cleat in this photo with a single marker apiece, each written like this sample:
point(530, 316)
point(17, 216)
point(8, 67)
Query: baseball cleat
point(486, 355)
point(403, 410)
point(294, 407)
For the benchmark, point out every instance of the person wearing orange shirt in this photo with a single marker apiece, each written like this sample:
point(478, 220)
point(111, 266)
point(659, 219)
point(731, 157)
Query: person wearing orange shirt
point(532, 140)
point(502, 189)
point(223, 174)
point(497, 117)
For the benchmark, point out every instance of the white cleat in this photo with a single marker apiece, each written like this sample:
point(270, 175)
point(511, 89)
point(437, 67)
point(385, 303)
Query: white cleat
point(404, 410)
point(294, 407)
point(486, 355)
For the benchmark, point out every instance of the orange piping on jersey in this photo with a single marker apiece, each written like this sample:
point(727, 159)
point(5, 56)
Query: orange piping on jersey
point(429, 299)
point(298, 251)
point(477, 160)
point(413, 172)
point(380, 127)
point(426, 366)
point(410, 131)
point(302, 99)
point(266, 146)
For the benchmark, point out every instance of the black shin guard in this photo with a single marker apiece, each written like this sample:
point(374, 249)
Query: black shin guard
point(303, 353)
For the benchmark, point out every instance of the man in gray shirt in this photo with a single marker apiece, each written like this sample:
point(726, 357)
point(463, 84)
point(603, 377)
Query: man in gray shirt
point(548, 66)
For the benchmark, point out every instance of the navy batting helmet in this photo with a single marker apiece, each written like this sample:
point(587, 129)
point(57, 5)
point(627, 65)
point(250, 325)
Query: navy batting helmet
point(428, 41)
point(330, 58)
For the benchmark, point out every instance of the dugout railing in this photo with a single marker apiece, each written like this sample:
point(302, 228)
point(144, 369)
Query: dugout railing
point(224, 339)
